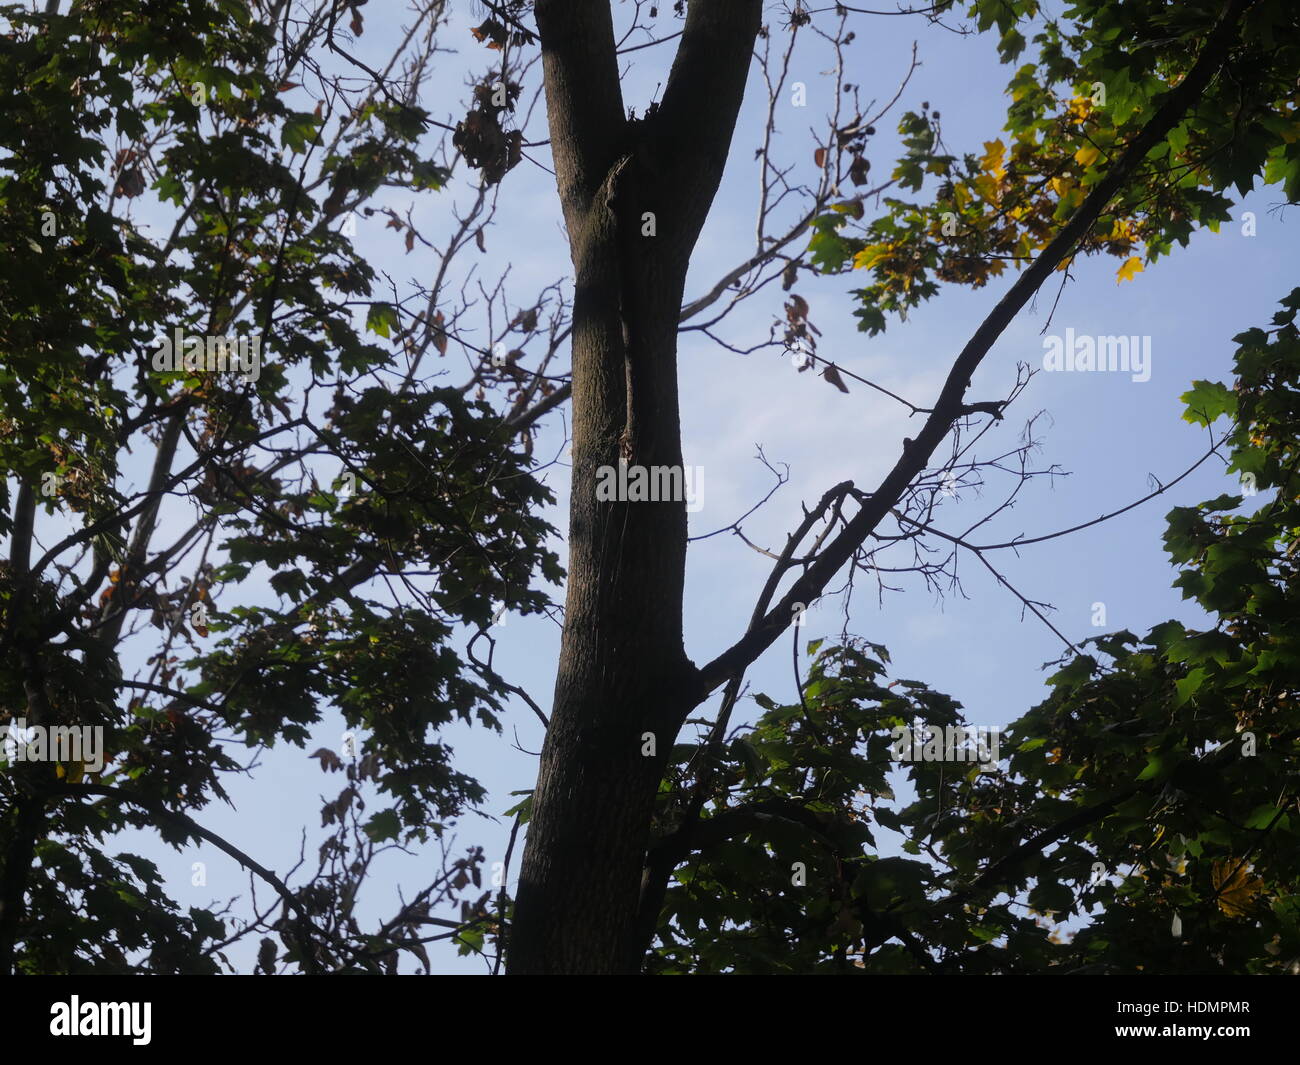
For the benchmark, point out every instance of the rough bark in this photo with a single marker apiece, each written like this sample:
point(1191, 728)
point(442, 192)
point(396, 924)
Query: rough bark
point(623, 670)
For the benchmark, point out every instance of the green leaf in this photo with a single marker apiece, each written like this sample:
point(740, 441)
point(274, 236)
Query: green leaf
point(384, 825)
point(523, 808)
point(299, 130)
point(382, 319)
point(1207, 401)
point(1156, 766)
point(1189, 685)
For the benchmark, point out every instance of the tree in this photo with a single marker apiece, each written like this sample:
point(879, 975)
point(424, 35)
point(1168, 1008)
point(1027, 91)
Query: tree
point(1153, 791)
point(625, 685)
point(391, 514)
point(285, 452)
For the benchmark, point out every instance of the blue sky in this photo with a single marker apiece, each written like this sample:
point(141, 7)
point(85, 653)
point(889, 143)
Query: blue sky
point(1107, 431)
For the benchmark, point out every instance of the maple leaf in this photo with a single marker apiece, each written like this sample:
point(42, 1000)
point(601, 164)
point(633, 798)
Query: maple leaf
point(1087, 155)
point(869, 256)
point(1130, 269)
point(991, 161)
point(1234, 886)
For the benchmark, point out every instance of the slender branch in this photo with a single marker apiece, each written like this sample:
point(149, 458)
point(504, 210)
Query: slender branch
point(946, 411)
point(1022, 542)
point(161, 813)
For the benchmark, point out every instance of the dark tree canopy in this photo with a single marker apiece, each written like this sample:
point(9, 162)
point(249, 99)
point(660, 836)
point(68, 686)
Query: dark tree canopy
point(205, 558)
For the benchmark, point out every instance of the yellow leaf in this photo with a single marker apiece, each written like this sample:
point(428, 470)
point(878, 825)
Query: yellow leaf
point(868, 257)
point(1087, 155)
point(987, 188)
point(1121, 229)
point(1131, 268)
point(1080, 108)
point(992, 160)
point(1061, 185)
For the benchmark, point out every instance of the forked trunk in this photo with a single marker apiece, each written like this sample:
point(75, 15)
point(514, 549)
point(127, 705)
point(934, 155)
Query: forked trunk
point(635, 195)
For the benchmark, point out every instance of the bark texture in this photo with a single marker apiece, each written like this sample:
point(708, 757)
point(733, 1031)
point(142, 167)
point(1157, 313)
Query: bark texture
point(635, 194)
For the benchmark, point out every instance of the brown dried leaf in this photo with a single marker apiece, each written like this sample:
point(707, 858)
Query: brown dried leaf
point(329, 761)
point(833, 376)
point(439, 334)
point(491, 31)
point(130, 184)
point(1235, 887)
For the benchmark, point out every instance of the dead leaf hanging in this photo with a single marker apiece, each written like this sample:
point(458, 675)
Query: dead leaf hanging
point(833, 376)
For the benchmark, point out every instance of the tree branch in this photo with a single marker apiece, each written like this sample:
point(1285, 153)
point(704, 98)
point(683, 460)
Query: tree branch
point(912, 461)
point(161, 813)
point(584, 99)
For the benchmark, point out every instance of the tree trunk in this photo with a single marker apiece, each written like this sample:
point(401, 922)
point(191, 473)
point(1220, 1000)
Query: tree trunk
point(635, 195)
